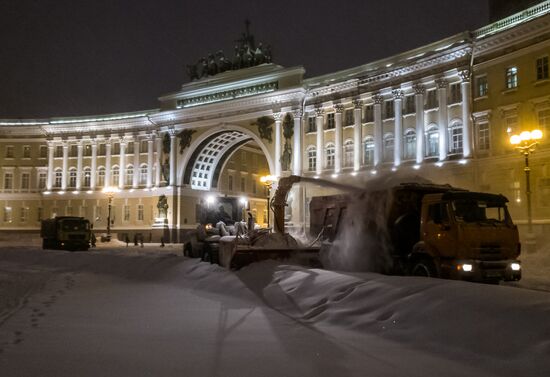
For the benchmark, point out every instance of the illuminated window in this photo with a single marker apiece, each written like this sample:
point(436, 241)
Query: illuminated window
point(8, 181)
point(101, 176)
point(388, 147)
point(143, 174)
point(432, 141)
point(456, 138)
point(26, 151)
point(482, 86)
point(72, 177)
point(410, 144)
point(87, 177)
point(544, 120)
point(368, 157)
point(129, 175)
point(312, 158)
point(330, 155)
point(7, 215)
point(511, 77)
point(58, 178)
point(483, 137)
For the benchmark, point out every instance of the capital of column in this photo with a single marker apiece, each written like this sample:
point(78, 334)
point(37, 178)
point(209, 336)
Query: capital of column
point(419, 89)
point(397, 94)
point(441, 83)
point(297, 113)
point(465, 75)
point(339, 108)
point(278, 116)
point(378, 99)
point(172, 132)
point(357, 104)
point(318, 111)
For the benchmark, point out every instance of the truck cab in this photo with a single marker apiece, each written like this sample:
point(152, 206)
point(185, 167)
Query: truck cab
point(467, 235)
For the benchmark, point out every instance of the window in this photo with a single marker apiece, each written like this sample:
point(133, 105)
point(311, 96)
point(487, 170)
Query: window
point(230, 183)
point(23, 214)
point(42, 177)
point(9, 151)
point(101, 176)
point(7, 215)
point(456, 138)
point(68, 211)
point(126, 210)
point(410, 144)
point(410, 106)
point(348, 153)
point(369, 114)
point(129, 175)
point(143, 146)
point(511, 122)
point(116, 149)
point(483, 137)
point(388, 147)
point(311, 124)
point(511, 77)
point(59, 151)
point(115, 173)
point(544, 120)
point(482, 87)
point(330, 155)
point(72, 177)
point(330, 121)
point(102, 149)
point(254, 186)
point(87, 177)
point(369, 151)
point(73, 150)
point(26, 151)
point(438, 213)
point(432, 141)
point(25, 181)
point(87, 150)
point(8, 181)
point(311, 159)
point(456, 94)
point(542, 68)
point(140, 212)
point(143, 174)
point(243, 184)
point(431, 99)
point(130, 148)
point(389, 109)
point(349, 117)
point(39, 213)
point(43, 151)
point(58, 178)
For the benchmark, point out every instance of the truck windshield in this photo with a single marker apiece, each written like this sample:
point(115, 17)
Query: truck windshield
point(74, 225)
point(474, 211)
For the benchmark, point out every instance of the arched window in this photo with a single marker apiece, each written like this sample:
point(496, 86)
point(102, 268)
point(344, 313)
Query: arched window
point(143, 174)
point(101, 176)
point(311, 158)
point(410, 144)
point(348, 153)
point(432, 141)
point(129, 175)
point(456, 138)
point(72, 177)
point(368, 157)
point(87, 177)
point(58, 177)
point(388, 147)
point(330, 152)
point(115, 173)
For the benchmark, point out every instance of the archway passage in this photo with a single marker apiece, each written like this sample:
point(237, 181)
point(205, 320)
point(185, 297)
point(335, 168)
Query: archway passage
point(204, 167)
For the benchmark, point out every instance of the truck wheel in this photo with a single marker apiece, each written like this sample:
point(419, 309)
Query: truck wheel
point(424, 267)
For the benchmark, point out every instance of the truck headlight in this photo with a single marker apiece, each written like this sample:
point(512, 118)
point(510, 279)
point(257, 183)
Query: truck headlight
point(515, 266)
point(466, 267)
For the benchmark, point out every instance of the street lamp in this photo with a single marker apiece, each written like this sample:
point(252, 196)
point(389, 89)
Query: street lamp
point(525, 143)
point(268, 181)
point(110, 191)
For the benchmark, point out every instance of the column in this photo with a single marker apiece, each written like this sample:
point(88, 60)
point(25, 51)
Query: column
point(442, 119)
point(122, 164)
point(467, 131)
point(297, 155)
point(278, 132)
point(357, 137)
point(159, 162)
point(320, 142)
point(378, 129)
point(137, 170)
point(108, 163)
point(94, 165)
point(398, 123)
point(338, 136)
point(419, 108)
point(51, 150)
point(80, 150)
point(65, 171)
point(173, 151)
point(150, 162)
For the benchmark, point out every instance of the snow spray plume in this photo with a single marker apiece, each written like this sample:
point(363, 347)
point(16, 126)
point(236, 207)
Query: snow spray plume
point(363, 240)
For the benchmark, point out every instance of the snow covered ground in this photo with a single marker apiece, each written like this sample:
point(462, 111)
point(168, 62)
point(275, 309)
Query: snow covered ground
point(118, 311)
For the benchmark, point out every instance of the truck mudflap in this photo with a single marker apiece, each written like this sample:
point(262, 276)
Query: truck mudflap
point(485, 271)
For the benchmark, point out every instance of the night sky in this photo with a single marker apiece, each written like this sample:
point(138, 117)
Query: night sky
point(80, 57)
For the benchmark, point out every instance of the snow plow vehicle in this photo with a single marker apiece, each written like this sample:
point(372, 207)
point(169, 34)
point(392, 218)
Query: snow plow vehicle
point(430, 230)
point(65, 233)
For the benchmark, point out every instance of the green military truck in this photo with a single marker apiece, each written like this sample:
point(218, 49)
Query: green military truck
point(65, 233)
